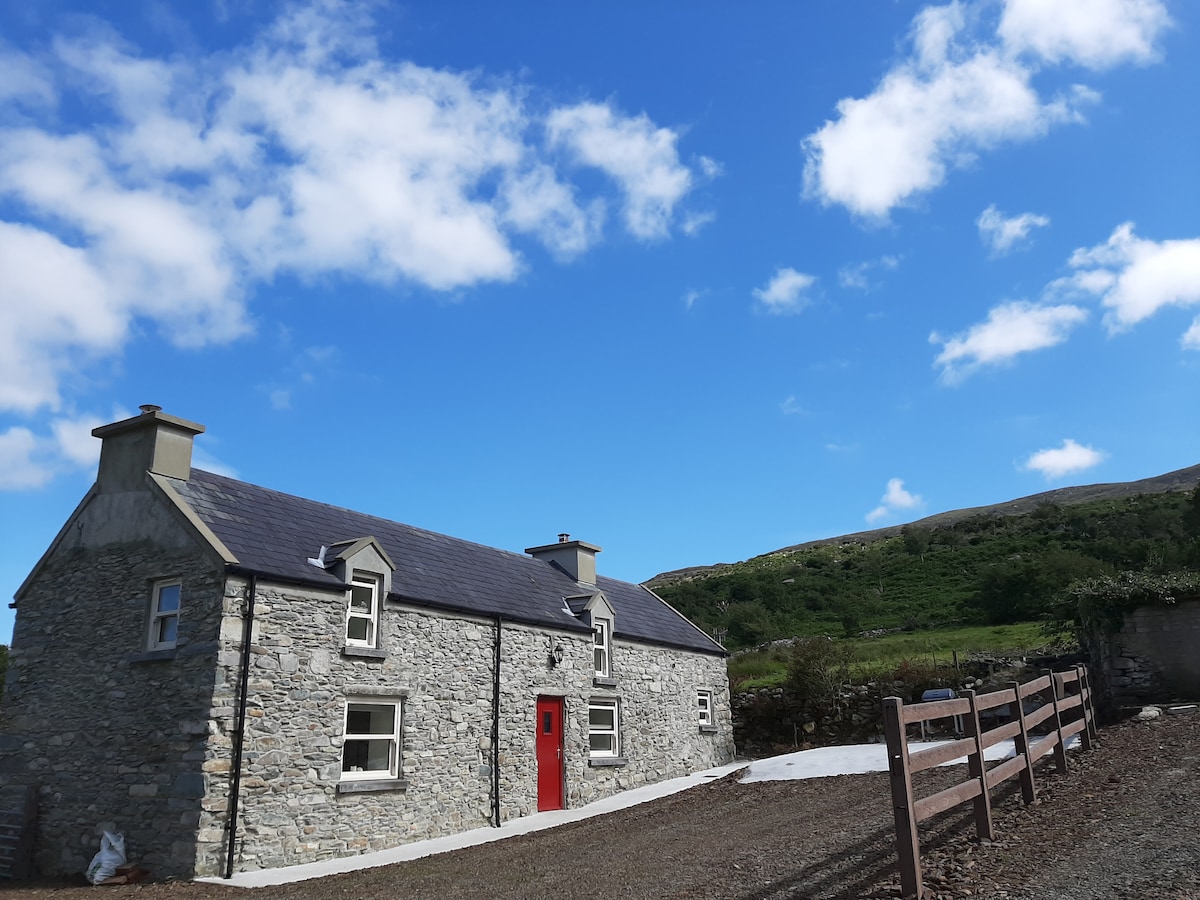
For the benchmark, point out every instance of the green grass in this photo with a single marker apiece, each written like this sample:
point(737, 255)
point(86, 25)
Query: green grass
point(875, 656)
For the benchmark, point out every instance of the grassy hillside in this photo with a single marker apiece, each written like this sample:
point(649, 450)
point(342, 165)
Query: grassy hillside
point(980, 566)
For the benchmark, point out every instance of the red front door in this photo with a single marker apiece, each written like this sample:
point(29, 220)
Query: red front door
point(550, 753)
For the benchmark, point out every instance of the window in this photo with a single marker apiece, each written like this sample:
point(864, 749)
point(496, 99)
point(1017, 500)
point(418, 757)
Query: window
point(704, 703)
point(371, 742)
point(164, 616)
point(604, 727)
point(362, 614)
point(602, 644)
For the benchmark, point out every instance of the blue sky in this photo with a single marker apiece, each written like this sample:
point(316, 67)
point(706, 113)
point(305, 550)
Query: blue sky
point(686, 280)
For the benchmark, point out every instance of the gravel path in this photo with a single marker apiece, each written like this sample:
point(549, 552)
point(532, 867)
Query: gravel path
point(1121, 824)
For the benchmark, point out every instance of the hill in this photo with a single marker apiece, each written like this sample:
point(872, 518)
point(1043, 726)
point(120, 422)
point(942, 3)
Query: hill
point(1181, 480)
point(999, 563)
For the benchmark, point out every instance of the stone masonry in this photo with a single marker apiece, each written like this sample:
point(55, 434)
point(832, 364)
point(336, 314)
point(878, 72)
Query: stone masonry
point(1154, 655)
point(114, 738)
point(441, 665)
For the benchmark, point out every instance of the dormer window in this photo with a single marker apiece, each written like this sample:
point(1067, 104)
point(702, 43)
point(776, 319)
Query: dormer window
point(602, 646)
point(362, 613)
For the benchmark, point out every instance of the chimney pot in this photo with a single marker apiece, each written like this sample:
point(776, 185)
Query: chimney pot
point(563, 537)
point(150, 408)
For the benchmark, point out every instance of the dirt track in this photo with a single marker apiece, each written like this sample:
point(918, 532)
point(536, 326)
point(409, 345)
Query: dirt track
point(1121, 824)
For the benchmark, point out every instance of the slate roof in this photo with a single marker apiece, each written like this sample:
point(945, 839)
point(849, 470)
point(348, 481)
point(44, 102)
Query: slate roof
point(275, 534)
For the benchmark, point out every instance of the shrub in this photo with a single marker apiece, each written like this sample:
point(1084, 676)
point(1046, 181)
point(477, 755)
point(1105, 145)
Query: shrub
point(818, 668)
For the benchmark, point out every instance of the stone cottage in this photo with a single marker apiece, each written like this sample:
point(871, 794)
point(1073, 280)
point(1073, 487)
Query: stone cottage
point(237, 678)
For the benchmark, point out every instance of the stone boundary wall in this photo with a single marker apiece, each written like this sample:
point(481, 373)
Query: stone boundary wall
point(768, 721)
point(1155, 655)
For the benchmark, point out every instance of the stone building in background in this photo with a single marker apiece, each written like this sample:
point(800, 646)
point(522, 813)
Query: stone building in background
point(237, 678)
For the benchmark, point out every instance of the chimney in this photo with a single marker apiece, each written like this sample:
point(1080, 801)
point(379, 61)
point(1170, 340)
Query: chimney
point(578, 558)
point(150, 442)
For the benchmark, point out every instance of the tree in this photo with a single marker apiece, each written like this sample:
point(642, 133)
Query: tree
point(1024, 588)
point(916, 540)
point(818, 668)
point(1191, 515)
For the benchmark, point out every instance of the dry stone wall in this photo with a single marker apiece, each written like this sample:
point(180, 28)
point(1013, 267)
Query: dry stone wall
point(1154, 655)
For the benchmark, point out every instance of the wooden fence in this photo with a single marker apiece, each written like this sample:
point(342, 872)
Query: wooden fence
point(1067, 710)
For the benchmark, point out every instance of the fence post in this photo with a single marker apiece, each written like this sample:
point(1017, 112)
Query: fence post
point(908, 849)
point(1060, 749)
point(1085, 681)
point(1016, 711)
point(1085, 735)
point(977, 768)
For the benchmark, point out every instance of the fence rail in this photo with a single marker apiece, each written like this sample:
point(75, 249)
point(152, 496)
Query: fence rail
point(1066, 711)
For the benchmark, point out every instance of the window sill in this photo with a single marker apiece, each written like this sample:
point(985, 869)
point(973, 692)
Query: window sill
point(149, 656)
point(602, 681)
point(364, 652)
point(382, 784)
point(596, 762)
point(709, 729)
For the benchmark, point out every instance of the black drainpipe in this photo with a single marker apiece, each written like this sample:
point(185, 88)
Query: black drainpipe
point(240, 731)
point(496, 727)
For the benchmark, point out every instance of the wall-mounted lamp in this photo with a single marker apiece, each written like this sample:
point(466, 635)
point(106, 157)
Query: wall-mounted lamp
point(556, 655)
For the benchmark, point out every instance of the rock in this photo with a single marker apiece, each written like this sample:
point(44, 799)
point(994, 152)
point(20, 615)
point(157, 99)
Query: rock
point(1148, 714)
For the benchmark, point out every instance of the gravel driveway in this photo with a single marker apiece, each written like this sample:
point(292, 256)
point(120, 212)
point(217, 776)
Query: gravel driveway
point(1121, 824)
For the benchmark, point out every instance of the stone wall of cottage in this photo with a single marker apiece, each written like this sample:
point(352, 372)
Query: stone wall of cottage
point(660, 736)
point(1153, 656)
point(114, 738)
point(292, 809)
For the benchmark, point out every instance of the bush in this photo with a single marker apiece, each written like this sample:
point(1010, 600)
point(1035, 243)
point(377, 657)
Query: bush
point(818, 668)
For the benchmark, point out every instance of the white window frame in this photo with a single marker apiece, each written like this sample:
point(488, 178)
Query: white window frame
point(392, 738)
point(704, 707)
point(160, 617)
point(372, 582)
point(602, 646)
point(614, 733)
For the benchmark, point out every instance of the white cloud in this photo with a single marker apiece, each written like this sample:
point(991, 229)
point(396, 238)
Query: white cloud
point(695, 222)
point(1001, 233)
point(59, 311)
point(304, 152)
point(1134, 277)
point(23, 79)
point(28, 460)
point(1092, 33)
point(21, 467)
point(640, 157)
point(74, 441)
point(962, 90)
point(895, 499)
point(1065, 460)
point(785, 292)
point(858, 275)
point(791, 407)
point(1010, 330)
point(690, 298)
point(1191, 338)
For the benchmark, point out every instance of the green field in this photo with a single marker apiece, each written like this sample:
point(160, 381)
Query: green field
point(879, 657)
